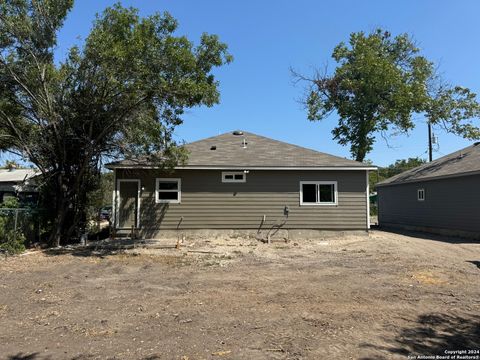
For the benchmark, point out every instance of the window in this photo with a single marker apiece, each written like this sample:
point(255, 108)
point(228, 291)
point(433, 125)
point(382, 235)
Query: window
point(421, 194)
point(168, 191)
point(318, 193)
point(234, 176)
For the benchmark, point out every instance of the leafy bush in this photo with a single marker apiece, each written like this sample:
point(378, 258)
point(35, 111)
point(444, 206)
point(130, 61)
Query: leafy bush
point(11, 241)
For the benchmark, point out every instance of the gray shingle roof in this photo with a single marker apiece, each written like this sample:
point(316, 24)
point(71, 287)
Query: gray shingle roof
point(16, 175)
point(259, 151)
point(462, 162)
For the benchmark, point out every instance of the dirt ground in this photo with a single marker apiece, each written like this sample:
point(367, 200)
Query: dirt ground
point(380, 296)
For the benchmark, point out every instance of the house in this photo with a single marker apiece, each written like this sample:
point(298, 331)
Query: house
point(17, 183)
point(243, 182)
point(442, 196)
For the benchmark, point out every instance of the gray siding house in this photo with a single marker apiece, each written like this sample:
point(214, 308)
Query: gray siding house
point(17, 183)
point(442, 196)
point(242, 181)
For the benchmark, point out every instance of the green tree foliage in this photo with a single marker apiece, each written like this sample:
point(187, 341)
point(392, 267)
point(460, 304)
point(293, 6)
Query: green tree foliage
point(100, 197)
point(453, 109)
point(398, 167)
point(12, 241)
point(120, 94)
point(10, 164)
point(379, 82)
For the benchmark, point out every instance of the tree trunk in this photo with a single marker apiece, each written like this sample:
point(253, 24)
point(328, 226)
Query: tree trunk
point(69, 207)
point(362, 149)
point(363, 143)
point(61, 210)
point(360, 155)
point(58, 227)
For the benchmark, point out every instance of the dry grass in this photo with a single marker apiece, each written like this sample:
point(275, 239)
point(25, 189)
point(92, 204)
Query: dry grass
point(348, 298)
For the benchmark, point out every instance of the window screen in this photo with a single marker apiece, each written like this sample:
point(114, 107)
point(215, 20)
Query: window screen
point(327, 193)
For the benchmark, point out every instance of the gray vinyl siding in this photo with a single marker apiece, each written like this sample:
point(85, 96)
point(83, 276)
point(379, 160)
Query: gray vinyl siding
point(207, 203)
point(451, 203)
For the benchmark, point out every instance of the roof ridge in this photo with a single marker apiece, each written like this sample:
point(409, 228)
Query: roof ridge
point(305, 148)
point(263, 151)
point(208, 138)
point(246, 133)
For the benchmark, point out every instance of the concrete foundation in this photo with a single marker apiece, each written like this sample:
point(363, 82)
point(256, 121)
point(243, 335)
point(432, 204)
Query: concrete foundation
point(263, 235)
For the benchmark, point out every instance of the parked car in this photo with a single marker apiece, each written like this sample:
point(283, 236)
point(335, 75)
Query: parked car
point(106, 213)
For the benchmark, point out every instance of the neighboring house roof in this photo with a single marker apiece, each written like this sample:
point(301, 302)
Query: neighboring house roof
point(462, 162)
point(16, 175)
point(16, 179)
point(250, 151)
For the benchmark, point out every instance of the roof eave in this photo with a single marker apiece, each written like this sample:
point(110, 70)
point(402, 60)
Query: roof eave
point(213, 167)
point(430, 178)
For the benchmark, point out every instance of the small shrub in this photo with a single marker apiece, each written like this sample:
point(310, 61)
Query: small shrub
point(11, 241)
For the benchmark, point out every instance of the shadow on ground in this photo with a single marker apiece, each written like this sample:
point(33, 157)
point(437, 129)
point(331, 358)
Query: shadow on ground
point(427, 235)
point(22, 356)
point(84, 251)
point(432, 334)
point(37, 356)
point(101, 248)
point(474, 262)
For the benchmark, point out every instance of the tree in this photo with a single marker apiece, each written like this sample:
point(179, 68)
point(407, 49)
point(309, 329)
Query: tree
point(393, 169)
point(121, 93)
point(380, 81)
point(10, 164)
point(453, 108)
point(101, 196)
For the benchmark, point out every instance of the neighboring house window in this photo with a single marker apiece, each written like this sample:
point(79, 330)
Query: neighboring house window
point(168, 190)
point(421, 194)
point(234, 176)
point(318, 193)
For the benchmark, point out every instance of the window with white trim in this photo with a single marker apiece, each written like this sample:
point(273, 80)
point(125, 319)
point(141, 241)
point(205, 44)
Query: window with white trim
point(318, 193)
point(421, 194)
point(168, 190)
point(234, 176)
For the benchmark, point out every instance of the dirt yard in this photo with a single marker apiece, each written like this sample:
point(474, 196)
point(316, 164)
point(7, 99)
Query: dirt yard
point(381, 296)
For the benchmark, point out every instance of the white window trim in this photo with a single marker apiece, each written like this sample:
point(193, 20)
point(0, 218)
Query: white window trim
point(168, 201)
point(418, 194)
point(335, 186)
point(367, 193)
point(233, 173)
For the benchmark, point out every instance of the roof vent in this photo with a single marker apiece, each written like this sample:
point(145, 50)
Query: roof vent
point(213, 147)
point(238, 132)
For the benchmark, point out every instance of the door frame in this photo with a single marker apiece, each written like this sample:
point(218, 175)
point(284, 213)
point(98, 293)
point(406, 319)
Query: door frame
point(117, 202)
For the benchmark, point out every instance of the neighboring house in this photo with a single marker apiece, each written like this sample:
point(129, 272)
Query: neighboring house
point(442, 196)
point(242, 181)
point(18, 183)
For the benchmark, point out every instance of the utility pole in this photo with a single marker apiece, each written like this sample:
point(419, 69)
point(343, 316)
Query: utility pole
point(429, 141)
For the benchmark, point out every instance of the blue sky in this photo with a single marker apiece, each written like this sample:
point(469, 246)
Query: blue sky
point(268, 37)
